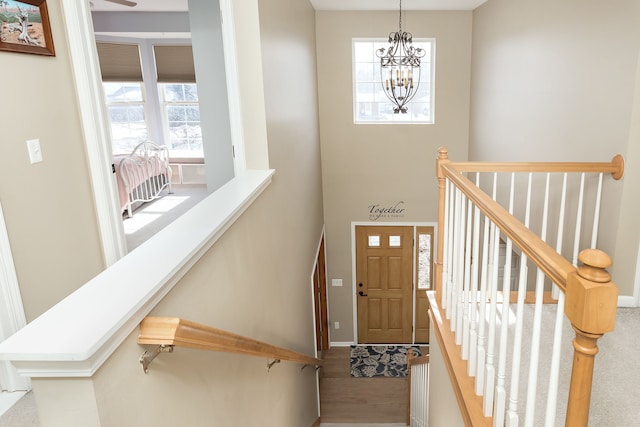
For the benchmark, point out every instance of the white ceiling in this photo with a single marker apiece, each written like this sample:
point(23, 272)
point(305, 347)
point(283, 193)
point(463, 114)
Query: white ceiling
point(393, 4)
point(142, 6)
point(181, 5)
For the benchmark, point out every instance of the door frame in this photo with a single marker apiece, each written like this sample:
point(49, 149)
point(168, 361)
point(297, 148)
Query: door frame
point(414, 225)
point(12, 316)
point(323, 239)
point(313, 296)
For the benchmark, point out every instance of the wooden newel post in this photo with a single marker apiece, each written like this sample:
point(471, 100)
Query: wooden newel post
point(591, 301)
point(443, 157)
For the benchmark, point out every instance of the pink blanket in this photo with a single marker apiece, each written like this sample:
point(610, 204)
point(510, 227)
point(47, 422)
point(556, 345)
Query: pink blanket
point(152, 167)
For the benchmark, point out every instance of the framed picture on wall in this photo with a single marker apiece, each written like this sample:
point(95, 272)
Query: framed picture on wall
point(25, 28)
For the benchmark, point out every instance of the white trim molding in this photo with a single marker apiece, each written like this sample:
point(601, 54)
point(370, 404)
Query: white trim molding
point(86, 72)
point(12, 317)
point(633, 300)
point(341, 343)
point(102, 313)
point(627, 301)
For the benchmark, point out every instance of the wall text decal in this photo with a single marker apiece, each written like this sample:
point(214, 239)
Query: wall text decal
point(377, 211)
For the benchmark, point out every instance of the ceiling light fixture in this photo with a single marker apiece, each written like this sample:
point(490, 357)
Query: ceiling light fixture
point(400, 68)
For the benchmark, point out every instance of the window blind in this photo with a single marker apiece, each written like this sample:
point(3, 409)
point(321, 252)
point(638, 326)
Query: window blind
point(119, 62)
point(174, 64)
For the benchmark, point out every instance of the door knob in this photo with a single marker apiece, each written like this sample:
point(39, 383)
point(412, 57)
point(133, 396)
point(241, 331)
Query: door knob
point(362, 294)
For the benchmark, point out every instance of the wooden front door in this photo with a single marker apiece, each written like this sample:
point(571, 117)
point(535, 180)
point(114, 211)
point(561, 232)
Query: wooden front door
point(384, 270)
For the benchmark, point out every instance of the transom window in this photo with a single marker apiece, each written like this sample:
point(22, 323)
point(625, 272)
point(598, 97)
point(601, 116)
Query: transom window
point(370, 104)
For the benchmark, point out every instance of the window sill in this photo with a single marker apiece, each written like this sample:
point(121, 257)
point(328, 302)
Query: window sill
point(76, 336)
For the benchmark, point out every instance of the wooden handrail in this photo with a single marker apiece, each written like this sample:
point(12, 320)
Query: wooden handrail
point(615, 167)
point(174, 331)
point(420, 360)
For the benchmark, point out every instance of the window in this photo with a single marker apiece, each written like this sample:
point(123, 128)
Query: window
point(370, 104)
point(151, 94)
point(125, 104)
point(425, 246)
point(182, 120)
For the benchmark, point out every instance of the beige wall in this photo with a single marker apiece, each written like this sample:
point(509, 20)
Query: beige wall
point(628, 236)
point(370, 164)
point(48, 206)
point(554, 81)
point(443, 406)
point(256, 280)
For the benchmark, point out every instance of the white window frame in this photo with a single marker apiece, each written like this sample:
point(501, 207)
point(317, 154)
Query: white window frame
point(397, 118)
point(143, 103)
point(165, 120)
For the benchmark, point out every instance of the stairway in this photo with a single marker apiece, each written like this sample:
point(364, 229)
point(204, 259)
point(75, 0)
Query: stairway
point(344, 399)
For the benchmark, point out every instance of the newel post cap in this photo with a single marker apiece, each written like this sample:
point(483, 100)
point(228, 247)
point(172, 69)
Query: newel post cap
point(591, 297)
point(443, 157)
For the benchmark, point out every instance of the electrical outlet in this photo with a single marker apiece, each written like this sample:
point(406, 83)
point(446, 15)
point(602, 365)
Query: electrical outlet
point(336, 325)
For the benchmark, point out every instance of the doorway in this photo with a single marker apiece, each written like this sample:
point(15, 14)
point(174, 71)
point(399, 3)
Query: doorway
point(393, 270)
point(319, 281)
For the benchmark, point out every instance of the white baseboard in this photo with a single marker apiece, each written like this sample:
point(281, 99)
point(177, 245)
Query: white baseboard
point(627, 301)
point(340, 343)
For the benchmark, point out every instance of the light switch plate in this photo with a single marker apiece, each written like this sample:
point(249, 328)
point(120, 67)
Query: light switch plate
point(336, 282)
point(35, 153)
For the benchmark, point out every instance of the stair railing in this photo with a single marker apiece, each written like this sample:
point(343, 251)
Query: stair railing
point(418, 403)
point(478, 240)
point(167, 332)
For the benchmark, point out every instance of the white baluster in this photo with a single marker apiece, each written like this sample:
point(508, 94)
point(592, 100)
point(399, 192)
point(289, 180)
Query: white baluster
point(537, 320)
point(490, 370)
point(455, 264)
point(576, 237)
point(426, 397)
point(512, 414)
point(452, 229)
point(445, 247)
point(492, 279)
point(552, 396)
point(482, 321)
point(501, 392)
point(467, 280)
point(473, 306)
point(554, 289)
point(460, 277)
point(484, 283)
point(596, 214)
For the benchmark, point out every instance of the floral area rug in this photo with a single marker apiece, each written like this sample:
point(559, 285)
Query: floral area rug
point(380, 360)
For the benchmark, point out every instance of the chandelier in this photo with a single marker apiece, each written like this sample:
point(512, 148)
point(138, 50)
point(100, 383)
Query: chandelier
point(400, 68)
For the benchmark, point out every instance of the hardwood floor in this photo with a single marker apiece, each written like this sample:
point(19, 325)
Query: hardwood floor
point(344, 399)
